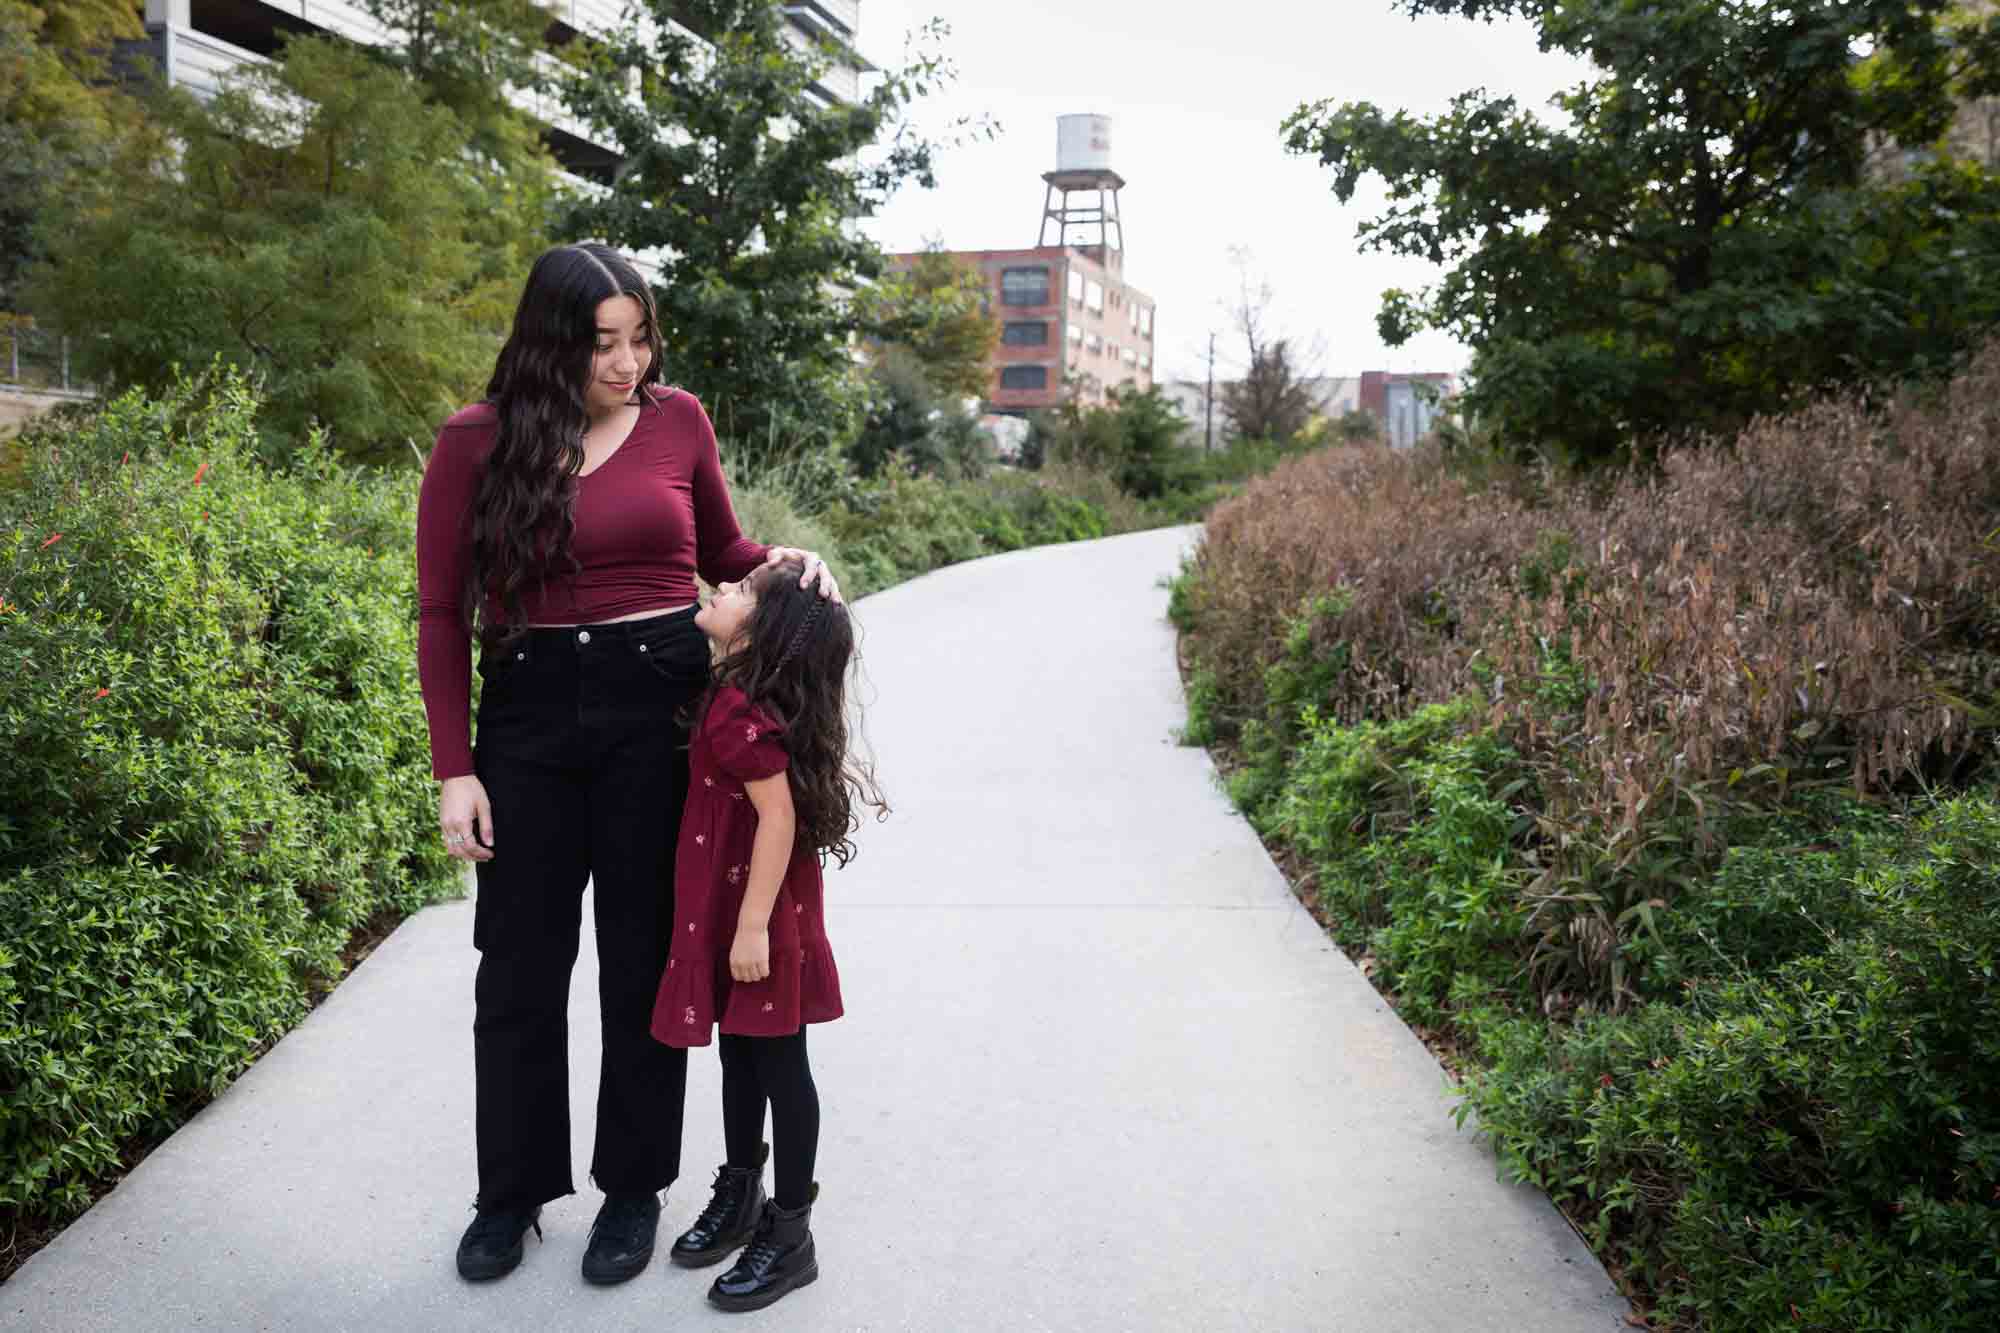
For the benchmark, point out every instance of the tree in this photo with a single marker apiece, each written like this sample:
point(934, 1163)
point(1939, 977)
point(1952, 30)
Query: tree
point(1272, 401)
point(909, 420)
point(468, 56)
point(743, 183)
point(312, 224)
point(1150, 426)
point(60, 116)
point(1699, 243)
point(937, 308)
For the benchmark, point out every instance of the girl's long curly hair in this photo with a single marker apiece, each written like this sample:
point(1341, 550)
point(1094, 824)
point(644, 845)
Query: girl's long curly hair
point(522, 519)
point(792, 662)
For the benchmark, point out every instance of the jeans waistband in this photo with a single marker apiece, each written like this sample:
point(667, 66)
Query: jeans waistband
point(615, 629)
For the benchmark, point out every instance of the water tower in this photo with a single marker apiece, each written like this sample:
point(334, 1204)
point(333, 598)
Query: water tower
point(1086, 213)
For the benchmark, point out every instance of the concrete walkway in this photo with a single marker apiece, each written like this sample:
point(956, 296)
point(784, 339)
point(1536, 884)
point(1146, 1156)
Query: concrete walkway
point(1100, 1070)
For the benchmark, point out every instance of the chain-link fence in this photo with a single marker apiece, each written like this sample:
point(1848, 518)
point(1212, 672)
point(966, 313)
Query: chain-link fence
point(34, 357)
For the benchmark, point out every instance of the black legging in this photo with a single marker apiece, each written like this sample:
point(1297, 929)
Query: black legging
point(774, 1069)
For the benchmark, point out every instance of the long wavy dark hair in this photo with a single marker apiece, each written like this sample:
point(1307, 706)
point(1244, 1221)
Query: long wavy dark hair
point(792, 662)
point(522, 519)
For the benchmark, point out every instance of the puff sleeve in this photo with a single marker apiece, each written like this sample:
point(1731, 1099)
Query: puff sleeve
point(748, 742)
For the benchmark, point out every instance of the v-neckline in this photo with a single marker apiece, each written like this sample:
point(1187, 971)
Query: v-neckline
point(618, 448)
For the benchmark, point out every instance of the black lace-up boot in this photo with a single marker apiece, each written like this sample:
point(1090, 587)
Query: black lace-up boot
point(492, 1245)
point(621, 1239)
point(729, 1219)
point(779, 1259)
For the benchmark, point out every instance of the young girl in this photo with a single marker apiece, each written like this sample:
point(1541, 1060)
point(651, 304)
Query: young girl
point(771, 790)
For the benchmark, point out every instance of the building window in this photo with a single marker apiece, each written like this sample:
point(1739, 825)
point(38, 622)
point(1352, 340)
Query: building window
point(1024, 286)
point(1093, 344)
point(1146, 321)
point(1024, 377)
point(1027, 333)
point(1076, 333)
point(1076, 286)
point(1093, 295)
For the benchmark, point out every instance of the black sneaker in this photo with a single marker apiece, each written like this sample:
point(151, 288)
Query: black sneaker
point(491, 1247)
point(621, 1239)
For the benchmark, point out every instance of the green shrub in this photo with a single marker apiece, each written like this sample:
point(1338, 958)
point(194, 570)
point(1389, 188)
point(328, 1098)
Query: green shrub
point(1405, 827)
point(217, 766)
point(903, 526)
point(1815, 1145)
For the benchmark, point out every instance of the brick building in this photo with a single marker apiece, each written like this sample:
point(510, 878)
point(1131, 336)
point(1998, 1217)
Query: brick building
point(1069, 325)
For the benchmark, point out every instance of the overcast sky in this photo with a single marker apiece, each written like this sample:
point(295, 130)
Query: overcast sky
point(1196, 93)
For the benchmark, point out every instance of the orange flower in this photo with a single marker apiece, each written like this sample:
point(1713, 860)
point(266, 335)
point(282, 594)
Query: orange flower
point(100, 694)
point(50, 542)
point(198, 473)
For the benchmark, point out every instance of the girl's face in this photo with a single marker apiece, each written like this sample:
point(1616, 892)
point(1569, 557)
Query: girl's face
point(728, 613)
point(623, 354)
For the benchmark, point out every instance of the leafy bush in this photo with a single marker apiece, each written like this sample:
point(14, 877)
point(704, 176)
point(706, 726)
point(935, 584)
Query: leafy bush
point(1818, 602)
point(906, 526)
point(1816, 1145)
point(217, 766)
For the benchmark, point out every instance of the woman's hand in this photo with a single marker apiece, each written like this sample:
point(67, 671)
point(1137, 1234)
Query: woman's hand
point(466, 819)
point(750, 955)
point(815, 568)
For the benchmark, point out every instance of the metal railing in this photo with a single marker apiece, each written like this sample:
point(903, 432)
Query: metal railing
point(36, 358)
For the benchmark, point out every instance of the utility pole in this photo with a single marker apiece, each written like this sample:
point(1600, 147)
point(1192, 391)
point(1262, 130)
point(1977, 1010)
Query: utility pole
point(1208, 401)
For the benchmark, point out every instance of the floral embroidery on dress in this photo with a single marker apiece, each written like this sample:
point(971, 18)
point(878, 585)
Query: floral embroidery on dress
point(687, 1016)
point(735, 874)
point(708, 782)
point(690, 927)
point(768, 1006)
point(701, 840)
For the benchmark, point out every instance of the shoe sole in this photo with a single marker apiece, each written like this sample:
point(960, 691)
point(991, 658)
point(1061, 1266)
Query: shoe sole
point(611, 1277)
point(501, 1270)
point(741, 1304)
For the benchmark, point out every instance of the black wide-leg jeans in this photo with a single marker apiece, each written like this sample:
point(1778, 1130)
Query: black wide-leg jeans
point(584, 759)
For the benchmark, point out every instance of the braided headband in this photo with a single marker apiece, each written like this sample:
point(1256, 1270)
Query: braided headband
point(799, 635)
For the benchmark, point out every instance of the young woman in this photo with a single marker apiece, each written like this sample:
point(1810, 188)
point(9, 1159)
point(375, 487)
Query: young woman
point(562, 523)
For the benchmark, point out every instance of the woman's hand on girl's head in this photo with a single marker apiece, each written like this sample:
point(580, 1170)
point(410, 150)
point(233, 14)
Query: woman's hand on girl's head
point(750, 955)
point(465, 818)
point(815, 571)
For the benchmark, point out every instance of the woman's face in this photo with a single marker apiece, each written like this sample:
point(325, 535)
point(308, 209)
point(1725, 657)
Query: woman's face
point(622, 355)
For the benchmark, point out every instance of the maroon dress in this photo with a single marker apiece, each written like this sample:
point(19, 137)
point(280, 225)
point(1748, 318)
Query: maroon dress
point(737, 742)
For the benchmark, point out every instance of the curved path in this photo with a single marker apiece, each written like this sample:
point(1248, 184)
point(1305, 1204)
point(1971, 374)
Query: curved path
point(1100, 1070)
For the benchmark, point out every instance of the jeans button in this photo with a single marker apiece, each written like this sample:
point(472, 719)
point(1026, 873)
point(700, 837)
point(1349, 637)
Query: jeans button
point(583, 636)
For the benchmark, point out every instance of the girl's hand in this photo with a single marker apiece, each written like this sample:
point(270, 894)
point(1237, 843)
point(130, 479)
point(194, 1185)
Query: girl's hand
point(750, 955)
point(466, 819)
point(815, 569)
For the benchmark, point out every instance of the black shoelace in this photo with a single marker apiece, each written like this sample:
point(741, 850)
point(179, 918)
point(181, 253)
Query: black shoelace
point(621, 1221)
point(720, 1204)
point(502, 1224)
point(764, 1250)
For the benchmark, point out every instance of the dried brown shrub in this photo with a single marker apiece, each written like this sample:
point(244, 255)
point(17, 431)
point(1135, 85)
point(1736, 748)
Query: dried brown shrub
point(1819, 599)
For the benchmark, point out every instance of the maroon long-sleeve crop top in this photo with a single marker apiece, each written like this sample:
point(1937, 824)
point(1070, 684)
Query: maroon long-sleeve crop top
point(651, 516)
